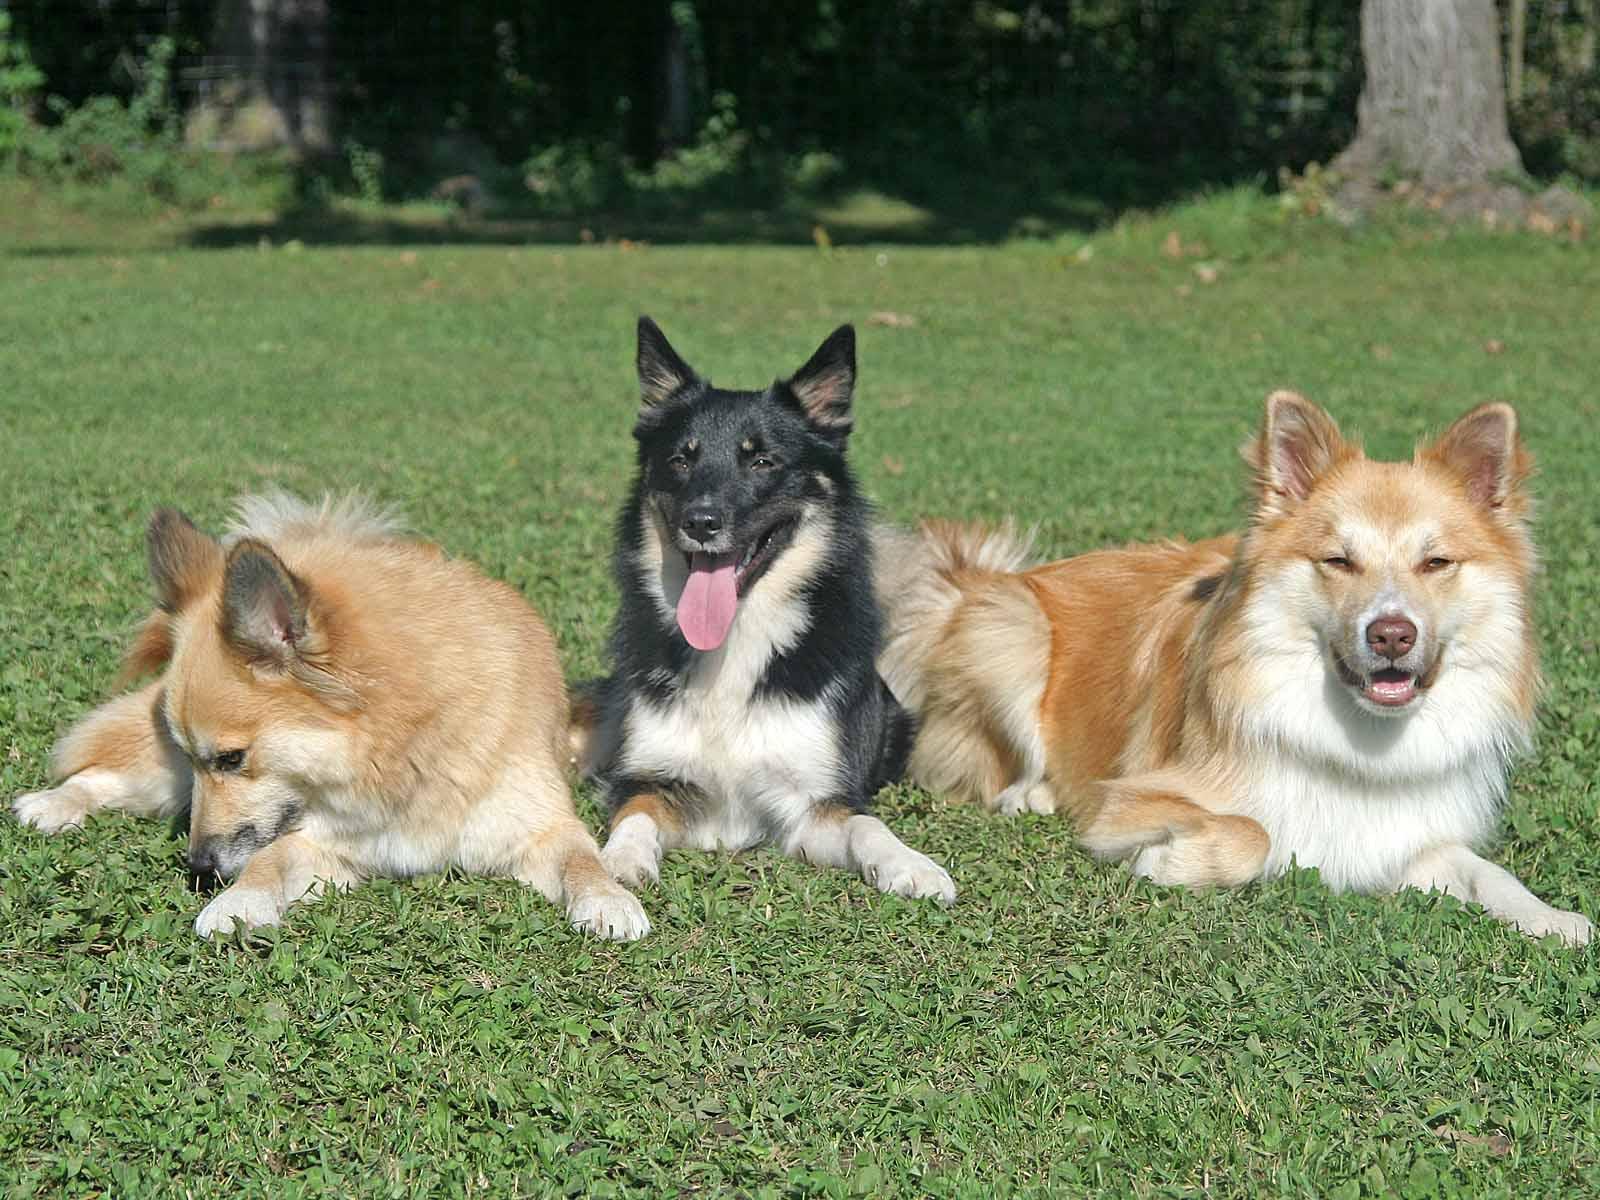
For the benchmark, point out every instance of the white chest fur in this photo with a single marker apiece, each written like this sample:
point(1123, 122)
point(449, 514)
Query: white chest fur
point(1363, 834)
point(760, 765)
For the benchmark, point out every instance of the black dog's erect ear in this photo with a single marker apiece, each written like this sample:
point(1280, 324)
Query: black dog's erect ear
point(825, 385)
point(662, 373)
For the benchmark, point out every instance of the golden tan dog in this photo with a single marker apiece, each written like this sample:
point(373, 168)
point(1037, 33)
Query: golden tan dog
point(1342, 686)
point(337, 701)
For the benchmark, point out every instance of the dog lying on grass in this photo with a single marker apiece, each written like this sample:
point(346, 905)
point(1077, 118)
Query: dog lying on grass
point(337, 701)
point(1343, 686)
point(744, 705)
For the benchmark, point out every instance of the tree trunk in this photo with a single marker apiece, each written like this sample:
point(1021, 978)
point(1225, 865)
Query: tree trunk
point(273, 55)
point(1517, 51)
point(1433, 107)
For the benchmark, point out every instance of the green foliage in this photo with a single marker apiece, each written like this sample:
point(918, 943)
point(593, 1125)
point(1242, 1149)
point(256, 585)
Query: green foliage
point(1063, 1030)
point(19, 81)
point(366, 168)
point(108, 150)
point(578, 177)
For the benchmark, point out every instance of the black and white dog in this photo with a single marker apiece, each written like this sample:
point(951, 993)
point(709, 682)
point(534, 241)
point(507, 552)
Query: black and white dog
point(744, 705)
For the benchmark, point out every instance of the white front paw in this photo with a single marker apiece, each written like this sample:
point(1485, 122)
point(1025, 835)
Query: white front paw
point(613, 913)
point(630, 861)
point(57, 808)
point(248, 906)
point(914, 876)
point(1573, 928)
point(1023, 797)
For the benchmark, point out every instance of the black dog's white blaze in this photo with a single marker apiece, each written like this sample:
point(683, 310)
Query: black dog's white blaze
point(784, 731)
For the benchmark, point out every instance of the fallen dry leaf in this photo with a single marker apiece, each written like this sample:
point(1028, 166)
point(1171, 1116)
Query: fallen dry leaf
point(1381, 352)
point(1172, 245)
point(893, 465)
point(1541, 223)
point(892, 320)
point(1494, 346)
point(819, 235)
point(1497, 1143)
point(1207, 272)
point(1186, 289)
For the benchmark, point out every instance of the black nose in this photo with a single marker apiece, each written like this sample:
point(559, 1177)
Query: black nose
point(203, 862)
point(701, 522)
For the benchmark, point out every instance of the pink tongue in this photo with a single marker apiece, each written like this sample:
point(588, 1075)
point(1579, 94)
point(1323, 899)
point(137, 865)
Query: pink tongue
point(705, 610)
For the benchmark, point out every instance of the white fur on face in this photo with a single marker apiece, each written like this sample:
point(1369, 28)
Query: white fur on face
point(1359, 794)
point(761, 764)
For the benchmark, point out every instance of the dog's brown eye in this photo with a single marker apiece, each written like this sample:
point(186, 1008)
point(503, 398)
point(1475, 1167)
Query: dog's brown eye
point(1339, 563)
point(678, 463)
point(1437, 564)
point(762, 463)
point(228, 760)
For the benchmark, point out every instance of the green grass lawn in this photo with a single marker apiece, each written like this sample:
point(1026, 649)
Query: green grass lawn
point(784, 1031)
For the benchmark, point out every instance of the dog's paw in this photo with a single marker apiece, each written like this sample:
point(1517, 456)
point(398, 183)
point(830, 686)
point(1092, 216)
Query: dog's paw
point(1023, 797)
point(914, 876)
point(613, 913)
point(1153, 863)
point(631, 862)
point(250, 907)
point(1573, 928)
point(57, 808)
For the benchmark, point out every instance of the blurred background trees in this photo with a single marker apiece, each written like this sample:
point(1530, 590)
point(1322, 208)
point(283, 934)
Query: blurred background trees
point(1075, 107)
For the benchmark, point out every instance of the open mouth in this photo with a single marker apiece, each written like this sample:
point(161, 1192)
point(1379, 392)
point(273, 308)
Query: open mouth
point(717, 582)
point(1390, 687)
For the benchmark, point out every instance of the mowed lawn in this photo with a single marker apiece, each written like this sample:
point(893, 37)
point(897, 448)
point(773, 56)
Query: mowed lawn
point(1063, 1030)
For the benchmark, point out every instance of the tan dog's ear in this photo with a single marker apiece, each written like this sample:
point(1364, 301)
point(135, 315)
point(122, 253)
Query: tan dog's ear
point(265, 609)
point(1485, 452)
point(183, 561)
point(1297, 445)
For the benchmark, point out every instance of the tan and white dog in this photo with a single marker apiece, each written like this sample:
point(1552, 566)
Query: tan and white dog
point(337, 701)
point(1343, 686)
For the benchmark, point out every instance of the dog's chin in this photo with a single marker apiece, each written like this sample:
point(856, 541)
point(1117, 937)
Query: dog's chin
point(1386, 691)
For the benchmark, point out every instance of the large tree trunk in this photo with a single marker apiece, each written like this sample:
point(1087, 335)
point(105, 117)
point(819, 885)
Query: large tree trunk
point(275, 91)
point(1434, 104)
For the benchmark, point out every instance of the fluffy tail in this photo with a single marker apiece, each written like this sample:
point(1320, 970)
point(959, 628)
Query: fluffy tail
point(967, 652)
point(276, 514)
point(918, 576)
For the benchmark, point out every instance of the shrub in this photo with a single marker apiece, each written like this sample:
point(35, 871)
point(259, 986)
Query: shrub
point(20, 80)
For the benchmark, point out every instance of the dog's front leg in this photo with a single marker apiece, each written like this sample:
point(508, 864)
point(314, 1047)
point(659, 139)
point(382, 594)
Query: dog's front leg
point(643, 828)
point(835, 836)
point(119, 756)
point(289, 869)
point(1456, 870)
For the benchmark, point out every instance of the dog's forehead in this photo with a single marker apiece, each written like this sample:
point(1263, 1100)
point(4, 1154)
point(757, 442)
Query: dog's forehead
point(1392, 505)
point(725, 419)
point(208, 703)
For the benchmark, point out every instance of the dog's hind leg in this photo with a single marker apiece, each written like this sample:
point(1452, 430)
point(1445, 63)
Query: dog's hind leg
point(981, 732)
point(120, 756)
point(1168, 838)
point(835, 836)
